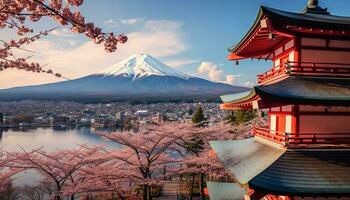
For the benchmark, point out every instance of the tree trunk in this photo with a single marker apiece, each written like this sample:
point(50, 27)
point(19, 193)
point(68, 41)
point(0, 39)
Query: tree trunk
point(144, 194)
point(192, 186)
point(202, 186)
point(121, 196)
point(149, 193)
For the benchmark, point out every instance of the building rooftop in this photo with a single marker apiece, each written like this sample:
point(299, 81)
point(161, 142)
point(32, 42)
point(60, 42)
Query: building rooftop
point(271, 169)
point(294, 89)
point(273, 26)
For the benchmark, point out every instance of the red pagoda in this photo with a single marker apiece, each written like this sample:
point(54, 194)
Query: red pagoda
point(304, 152)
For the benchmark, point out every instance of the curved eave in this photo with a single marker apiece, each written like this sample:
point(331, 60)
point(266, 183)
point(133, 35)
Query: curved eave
point(279, 20)
point(248, 34)
point(238, 101)
point(234, 56)
point(313, 91)
point(292, 90)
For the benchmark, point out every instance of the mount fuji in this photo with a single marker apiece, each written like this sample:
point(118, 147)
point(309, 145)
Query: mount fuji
point(140, 77)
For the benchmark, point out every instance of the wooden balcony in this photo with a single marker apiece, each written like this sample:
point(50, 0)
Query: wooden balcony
point(305, 69)
point(302, 140)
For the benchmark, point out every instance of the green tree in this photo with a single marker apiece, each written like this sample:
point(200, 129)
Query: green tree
point(198, 116)
point(196, 146)
point(240, 116)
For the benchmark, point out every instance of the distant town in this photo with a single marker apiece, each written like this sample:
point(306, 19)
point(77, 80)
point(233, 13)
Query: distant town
point(66, 114)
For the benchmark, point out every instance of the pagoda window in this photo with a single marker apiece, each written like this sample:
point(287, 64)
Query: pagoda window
point(273, 122)
point(289, 45)
point(278, 51)
point(287, 108)
point(313, 42)
point(339, 44)
point(277, 63)
point(326, 56)
point(320, 123)
point(324, 119)
point(284, 53)
point(289, 124)
point(310, 108)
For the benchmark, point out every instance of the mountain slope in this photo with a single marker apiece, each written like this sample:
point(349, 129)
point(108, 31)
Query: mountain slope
point(140, 77)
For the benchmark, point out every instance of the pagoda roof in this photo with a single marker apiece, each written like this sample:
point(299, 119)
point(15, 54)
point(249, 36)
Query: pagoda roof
point(283, 25)
point(294, 89)
point(227, 191)
point(245, 163)
point(308, 173)
point(304, 172)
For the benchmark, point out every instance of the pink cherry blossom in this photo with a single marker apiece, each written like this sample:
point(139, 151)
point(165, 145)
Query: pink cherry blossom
point(14, 14)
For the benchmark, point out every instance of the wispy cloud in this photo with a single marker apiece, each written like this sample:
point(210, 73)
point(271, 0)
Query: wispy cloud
point(62, 33)
point(125, 22)
point(160, 38)
point(131, 21)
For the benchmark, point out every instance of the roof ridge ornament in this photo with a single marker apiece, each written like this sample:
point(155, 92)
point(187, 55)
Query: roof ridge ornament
point(314, 8)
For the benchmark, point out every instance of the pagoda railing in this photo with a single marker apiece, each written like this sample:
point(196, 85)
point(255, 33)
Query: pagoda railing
point(317, 69)
point(302, 139)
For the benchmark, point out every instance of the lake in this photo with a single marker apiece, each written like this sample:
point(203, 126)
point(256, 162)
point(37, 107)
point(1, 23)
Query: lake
point(12, 140)
point(50, 139)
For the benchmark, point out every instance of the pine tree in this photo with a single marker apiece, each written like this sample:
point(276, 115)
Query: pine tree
point(240, 116)
point(231, 118)
point(198, 116)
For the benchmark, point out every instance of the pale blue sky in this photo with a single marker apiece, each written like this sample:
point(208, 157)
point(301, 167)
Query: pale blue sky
point(181, 33)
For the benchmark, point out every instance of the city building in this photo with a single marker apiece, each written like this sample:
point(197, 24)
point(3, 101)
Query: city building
point(1, 119)
point(159, 118)
point(304, 152)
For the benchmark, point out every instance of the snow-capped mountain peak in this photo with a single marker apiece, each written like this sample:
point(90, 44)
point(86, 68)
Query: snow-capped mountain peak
point(141, 65)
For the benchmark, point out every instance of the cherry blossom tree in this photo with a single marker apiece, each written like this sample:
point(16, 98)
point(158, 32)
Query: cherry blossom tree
point(5, 172)
point(94, 172)
point(145, 153)
point(107, 179)
point(19, 15)
point(202, 161)
point(60, 168)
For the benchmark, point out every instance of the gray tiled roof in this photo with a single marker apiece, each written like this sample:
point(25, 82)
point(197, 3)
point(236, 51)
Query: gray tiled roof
point(225, 191)
point(308, 19)
point(308, 90)
point(245, 159)
point(308, 173)
point(303, 172)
